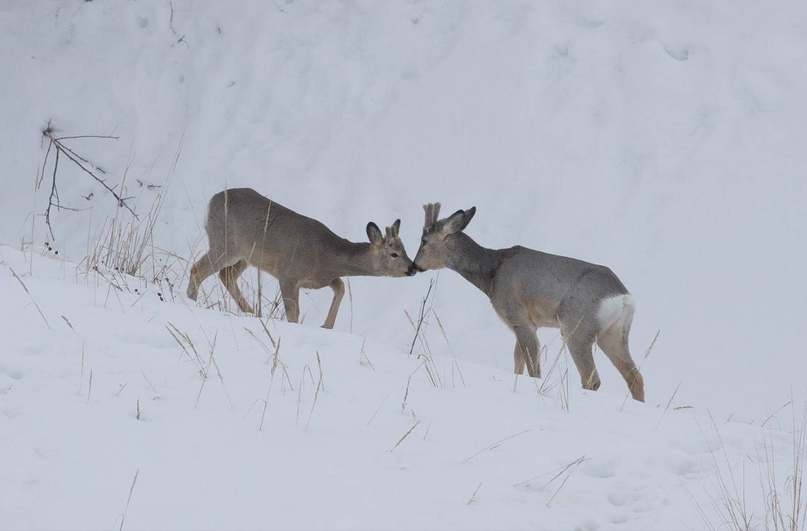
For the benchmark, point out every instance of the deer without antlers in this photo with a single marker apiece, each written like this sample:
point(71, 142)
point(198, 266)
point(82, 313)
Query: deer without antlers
point(530, 289)
point(245, 228)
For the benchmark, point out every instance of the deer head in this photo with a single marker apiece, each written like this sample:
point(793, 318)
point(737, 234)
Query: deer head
point(433, 251)
point(387, 252)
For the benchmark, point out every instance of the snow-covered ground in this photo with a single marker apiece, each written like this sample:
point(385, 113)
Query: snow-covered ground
point(663, 139)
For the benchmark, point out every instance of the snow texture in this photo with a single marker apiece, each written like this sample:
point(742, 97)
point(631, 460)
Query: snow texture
point(665, 140)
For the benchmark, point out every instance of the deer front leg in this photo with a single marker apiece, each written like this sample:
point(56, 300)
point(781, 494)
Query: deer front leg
point(291, 300)
point(338, 287)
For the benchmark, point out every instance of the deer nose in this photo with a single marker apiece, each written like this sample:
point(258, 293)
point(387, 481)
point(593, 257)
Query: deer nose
point(412, 270)
point(417, 268)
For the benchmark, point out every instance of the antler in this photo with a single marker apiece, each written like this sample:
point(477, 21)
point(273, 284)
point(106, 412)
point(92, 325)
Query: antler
point(432, 211)
point(390, 234)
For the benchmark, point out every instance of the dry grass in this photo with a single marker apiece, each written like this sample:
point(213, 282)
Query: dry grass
point(38, 309)
point(378, 409)
point(420, 344)
point(128, 501)
point(563, 473)
point(786, 506)
point(780, 502)
point(556, 376)
point(320, 386)
point(405, 435)
point(473, 498)
point(495, 445)
point(126, 245)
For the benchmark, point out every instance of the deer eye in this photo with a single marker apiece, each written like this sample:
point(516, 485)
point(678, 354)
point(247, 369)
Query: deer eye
point(394, 255)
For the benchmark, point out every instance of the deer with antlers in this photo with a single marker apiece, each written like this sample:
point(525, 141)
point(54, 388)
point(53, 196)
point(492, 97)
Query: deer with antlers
point(530, 289)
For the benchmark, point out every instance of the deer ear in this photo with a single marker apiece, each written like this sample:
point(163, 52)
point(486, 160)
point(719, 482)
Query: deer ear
point(374, 234)
point(469, 215)
point(396, 227)
point(454, 223)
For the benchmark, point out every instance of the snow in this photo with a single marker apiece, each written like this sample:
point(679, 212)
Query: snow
point(662, 139)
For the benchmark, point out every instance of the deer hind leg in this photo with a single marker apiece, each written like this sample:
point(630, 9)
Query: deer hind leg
point(614, 343)
point(338, 287)
point(229, 277)
point(290, 292)
point(579, 344)
point(525, 352)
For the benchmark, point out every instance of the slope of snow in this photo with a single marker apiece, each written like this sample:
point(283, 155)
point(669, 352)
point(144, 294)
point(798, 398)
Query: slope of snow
point(109, 413)
point(665, 140)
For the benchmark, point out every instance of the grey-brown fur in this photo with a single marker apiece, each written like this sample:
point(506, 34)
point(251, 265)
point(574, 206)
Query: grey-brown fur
point(245, 228)
point(530, 289)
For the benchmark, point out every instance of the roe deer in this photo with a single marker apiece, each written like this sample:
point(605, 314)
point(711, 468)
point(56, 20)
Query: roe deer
point(530, 289)
point(245, 228)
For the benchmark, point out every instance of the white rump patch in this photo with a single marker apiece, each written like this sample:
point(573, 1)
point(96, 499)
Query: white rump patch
point(616, 310)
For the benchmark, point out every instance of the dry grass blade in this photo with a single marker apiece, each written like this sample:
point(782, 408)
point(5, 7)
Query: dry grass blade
point(406, 393)
point(455, 365)
point(30, 297)
point(89, 388)
point(421, 317)
point(205, 371)
point(667, 407)
point(128, 500)
point(472, 499)
point(218, 372)
point(405, 435)
point(156, 395)
point(81, 376)
point(496, 444)
point(773, 415)
point(66, 320)
point(730, 501)
point(319, 366)
point(378, 409)
point(785, 511)
point(571, 467)
point(320, 385)
point(186, 344)
point(275, 364)
point(364, 360)
point(269, 334)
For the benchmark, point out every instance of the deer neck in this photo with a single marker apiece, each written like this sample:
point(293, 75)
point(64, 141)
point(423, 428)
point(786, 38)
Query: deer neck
point(351, 259)
point(476, 264)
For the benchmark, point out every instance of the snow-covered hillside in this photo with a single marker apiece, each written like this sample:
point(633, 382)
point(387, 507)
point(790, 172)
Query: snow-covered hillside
point(665, 140)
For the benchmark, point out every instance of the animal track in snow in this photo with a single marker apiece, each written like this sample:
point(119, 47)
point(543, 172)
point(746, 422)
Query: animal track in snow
point(679, 53)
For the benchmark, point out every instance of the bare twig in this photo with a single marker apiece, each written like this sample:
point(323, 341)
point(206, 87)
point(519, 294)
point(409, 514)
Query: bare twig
point(83, 164)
